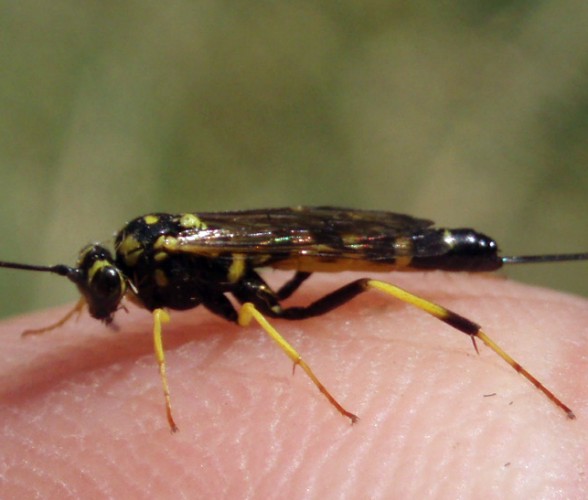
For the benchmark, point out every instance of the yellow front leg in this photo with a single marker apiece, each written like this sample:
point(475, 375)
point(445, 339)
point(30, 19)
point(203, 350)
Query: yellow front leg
point(160, 316)
point(77, 310)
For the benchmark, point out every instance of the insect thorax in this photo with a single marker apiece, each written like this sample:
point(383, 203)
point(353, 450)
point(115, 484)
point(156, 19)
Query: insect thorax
point(162, 277)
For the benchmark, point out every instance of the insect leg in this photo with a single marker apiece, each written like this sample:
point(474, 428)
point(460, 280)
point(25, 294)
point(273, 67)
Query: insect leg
point(325, 304)
point(259, 301)
point(160, 316)
point(469, 328)
point(248, 312)
point(77, 309)
point(288, 288)
point(464, 325)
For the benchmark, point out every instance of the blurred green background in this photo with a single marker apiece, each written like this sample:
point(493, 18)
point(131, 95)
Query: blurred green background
point(470, 113)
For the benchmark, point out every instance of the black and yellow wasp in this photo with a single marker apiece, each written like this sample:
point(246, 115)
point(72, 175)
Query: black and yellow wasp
point(163, 261)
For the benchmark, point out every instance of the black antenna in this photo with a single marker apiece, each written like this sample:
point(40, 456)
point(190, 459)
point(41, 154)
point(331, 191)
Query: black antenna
point(61, 269)
point(537, 259)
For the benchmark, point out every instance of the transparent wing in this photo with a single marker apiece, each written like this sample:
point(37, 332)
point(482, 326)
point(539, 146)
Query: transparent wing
point(323, 232)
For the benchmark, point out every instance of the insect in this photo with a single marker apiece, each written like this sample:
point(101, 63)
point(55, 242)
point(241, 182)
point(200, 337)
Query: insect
point(165, 261)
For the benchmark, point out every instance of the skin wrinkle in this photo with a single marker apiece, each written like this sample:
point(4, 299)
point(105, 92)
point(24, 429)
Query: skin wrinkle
point(297, 454)
point(399, 425)
point(312, 469)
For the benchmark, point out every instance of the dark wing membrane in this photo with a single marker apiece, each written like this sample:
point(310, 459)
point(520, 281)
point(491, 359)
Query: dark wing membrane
point(324, 232)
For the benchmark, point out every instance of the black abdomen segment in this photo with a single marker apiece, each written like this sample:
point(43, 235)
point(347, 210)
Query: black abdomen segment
point(466, 250)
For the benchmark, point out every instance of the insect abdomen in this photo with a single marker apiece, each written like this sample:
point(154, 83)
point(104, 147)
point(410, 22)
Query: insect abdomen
point(464, 250)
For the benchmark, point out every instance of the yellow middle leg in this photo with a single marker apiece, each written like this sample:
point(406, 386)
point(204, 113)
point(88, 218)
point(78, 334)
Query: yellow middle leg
point(249, 312)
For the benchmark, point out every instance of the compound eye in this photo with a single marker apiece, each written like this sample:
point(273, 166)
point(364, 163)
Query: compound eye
point(104, 291)
point(107, 283)
point(101, 283)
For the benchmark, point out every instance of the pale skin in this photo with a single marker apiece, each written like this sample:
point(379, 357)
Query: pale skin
point(83, 414)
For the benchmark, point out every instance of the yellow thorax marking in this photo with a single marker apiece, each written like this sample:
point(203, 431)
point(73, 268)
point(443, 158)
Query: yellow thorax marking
point(191, 221)
point(237, 267)
point(151, 219)
point(165, 243)
point(131, 249)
